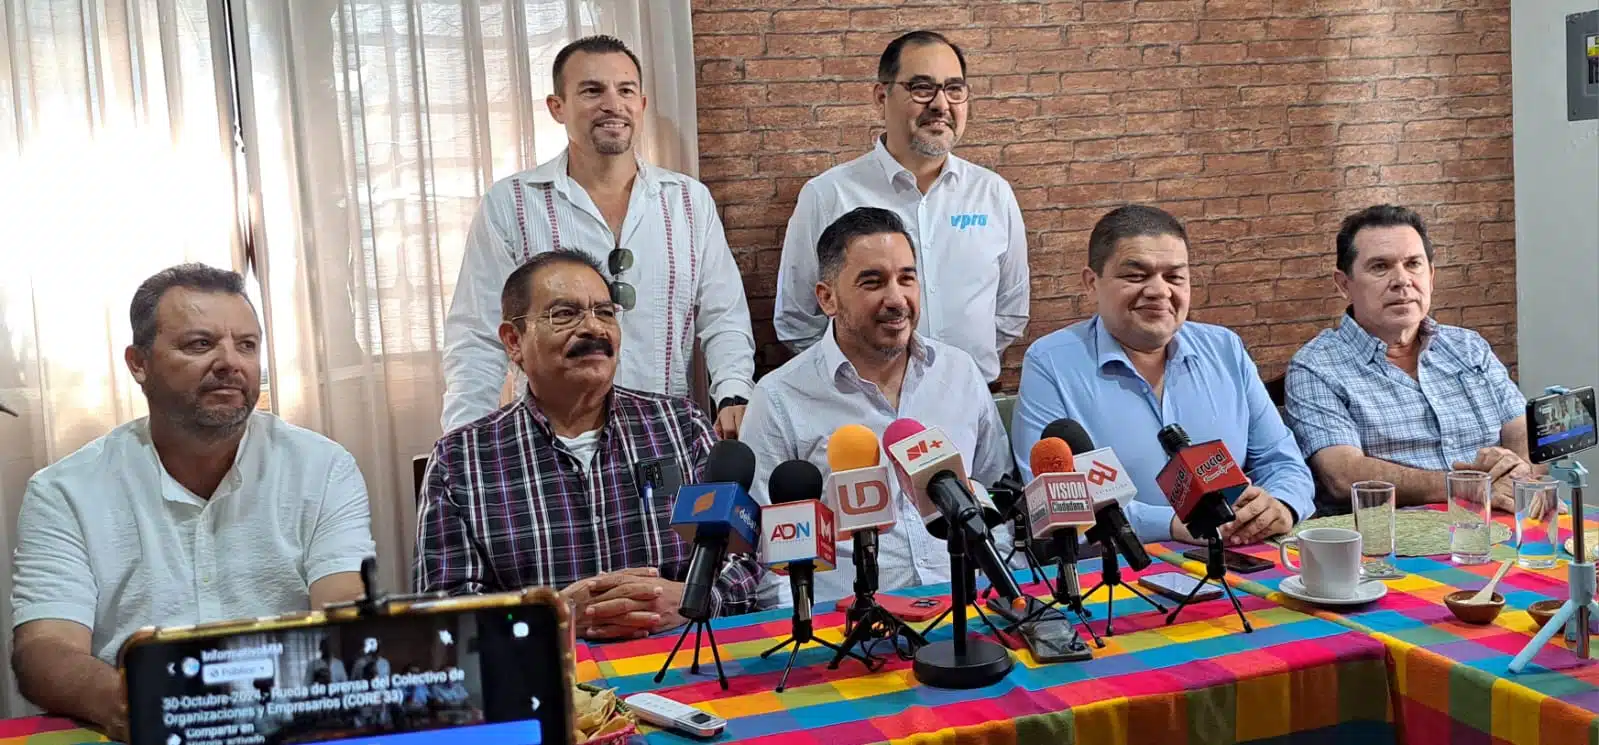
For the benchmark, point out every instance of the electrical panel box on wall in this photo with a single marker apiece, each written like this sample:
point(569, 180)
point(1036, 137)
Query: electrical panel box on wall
point(1582, 66)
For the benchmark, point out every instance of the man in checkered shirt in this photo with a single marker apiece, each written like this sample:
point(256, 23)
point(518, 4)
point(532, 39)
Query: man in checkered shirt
point(1391, 394)
point(571, 485)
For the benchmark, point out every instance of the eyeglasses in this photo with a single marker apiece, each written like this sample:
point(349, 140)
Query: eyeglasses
point(568, 317)
point(622, 293)
point(924, 91)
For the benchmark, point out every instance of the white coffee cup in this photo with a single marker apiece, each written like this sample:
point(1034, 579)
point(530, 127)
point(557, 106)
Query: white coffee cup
point(1329, 561)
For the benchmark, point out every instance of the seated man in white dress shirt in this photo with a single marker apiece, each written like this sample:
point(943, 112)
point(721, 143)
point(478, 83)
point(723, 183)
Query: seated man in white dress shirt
point(206, 510)
point(870, 368)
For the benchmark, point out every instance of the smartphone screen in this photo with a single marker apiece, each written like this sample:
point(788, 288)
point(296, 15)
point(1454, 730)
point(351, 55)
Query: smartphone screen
point(1236, 562)
point(488, 676)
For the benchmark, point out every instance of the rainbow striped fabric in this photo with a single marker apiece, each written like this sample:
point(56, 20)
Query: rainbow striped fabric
point(1202, 680)
point(1451, 678)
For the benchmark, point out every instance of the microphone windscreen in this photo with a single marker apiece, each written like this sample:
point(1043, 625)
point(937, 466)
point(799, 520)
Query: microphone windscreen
point(900, 429)
point(794, 481)
point(852, 446)
point(1072, 433)
point(730, 461)
point(1051, 455)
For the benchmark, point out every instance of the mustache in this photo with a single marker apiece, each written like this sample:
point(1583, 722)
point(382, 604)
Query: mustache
point(589, 345)
point(892, 314)
point(926, 119)
point(217, 385)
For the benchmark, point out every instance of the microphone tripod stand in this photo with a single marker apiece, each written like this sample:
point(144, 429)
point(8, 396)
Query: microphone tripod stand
point(1110, 578)
point(961, 662)
point(1215, 571)
point(700, 624)
point(1063, 593)
point(866, 619)
point(1022, 542)
point(801, 575)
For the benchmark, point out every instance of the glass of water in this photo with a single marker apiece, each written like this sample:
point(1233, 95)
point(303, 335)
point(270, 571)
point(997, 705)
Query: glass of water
point(1373, 504)
point(1470, 529)
point(1537, 521)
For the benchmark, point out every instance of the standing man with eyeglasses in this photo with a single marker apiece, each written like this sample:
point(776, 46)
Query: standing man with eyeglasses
point(655, 232)
point(972, 256)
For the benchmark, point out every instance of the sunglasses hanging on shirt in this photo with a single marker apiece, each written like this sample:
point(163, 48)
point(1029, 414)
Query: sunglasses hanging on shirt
point(622, 293)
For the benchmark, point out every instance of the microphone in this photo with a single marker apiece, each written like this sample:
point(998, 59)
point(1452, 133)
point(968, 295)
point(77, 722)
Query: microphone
point(1058, 503)
point(719, 517)
point(1111, 490)
point(930, 469)
point(858, 493)
point(1200, 481)
point(797, 532)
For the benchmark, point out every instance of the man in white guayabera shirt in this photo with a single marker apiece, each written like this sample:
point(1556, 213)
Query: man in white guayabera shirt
point(206, 510)
point(656, 232)
point(963, 218)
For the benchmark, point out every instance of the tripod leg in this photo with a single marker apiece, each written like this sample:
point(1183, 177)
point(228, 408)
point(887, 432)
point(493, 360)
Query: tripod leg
point(668, 663)
point(783, 683)
point(1110, 611)
point(780, 645)
point(844, 651)
point(1236, 607)
point(699, 630)
point(721, 677)
point(1170, 617)
point(936, 621)
point(1094, 589)
point(897, 626)
point(1082, 616)
point(1146, 598)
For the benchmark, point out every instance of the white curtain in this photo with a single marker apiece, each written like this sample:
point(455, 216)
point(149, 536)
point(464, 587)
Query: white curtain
point(370, 129)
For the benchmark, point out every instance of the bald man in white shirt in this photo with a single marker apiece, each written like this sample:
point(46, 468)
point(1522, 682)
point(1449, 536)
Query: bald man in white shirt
point(655, 231)
point(963, 218)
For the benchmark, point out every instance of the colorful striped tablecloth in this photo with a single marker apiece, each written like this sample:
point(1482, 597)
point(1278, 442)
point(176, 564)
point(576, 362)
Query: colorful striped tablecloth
point(1451, 678)
point(1296, 679)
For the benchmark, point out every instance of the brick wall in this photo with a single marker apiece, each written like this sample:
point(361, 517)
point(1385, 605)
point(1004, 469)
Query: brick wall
point(1261, 123)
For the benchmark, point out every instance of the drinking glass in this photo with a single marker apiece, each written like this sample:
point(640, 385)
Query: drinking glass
point(1470, 530)
point(1537, 521)
point(1373, 504)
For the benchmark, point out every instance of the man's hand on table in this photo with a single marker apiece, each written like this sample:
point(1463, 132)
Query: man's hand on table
point(630, 604)
point(1256, 517)
point(1503, 466)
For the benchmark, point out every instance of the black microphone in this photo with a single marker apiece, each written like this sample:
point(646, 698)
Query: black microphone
point(793, 482)
point(1111, 527)
point(719, 516)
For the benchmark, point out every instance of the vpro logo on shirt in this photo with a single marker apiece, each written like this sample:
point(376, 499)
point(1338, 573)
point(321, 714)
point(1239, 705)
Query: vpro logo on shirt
point(968, 220)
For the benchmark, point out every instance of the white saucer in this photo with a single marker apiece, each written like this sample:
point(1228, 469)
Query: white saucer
point(1368, 591)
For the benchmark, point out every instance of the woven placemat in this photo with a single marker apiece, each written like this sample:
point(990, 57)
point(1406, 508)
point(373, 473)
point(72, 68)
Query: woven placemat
point(1416, 532)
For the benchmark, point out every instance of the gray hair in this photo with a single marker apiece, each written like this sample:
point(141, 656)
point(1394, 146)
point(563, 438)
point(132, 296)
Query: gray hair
point(142, 311)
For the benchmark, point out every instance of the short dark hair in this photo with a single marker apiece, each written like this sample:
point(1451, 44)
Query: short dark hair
point(888, 64)
point(856, 223)
point(516, 297)
point(1129, 221)
point(194, 276)
point(598, 44)
point(1377, 216)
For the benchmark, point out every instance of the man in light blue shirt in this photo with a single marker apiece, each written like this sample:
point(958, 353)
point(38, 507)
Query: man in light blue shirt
point(1138, 366)
point(871, 368)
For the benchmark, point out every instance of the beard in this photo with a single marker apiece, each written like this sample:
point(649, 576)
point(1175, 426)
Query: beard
point(866, 329)
point(606, 145)
point(934, 146)
point(207, 423)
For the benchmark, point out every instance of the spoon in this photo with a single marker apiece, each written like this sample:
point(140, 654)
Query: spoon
point(1485, 595)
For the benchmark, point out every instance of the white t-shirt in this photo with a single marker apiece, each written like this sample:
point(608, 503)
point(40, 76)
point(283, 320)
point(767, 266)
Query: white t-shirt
point(582, 446)
point(106, 538)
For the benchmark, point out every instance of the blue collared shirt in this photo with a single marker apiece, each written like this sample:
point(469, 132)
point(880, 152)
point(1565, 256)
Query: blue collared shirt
point(1211, 388)
point(1343, 390)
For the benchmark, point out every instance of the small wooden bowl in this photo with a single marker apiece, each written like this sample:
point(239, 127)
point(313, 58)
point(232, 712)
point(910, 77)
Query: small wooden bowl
point(1543, 610)
point(1480, 615)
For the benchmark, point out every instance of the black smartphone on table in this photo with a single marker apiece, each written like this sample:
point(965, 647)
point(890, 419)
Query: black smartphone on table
point(1238, 563)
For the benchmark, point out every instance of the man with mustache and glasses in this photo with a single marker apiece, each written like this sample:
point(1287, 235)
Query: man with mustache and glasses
point(964, 218)
point(871, 367)
point(571, 485)
point(1392, 395)
point(656, 233)
point(1139, 365)
point(205, 510)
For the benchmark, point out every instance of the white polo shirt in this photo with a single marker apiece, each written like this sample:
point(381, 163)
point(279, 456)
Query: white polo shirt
point(106, 538)
point(971, 252)
point(689, 289)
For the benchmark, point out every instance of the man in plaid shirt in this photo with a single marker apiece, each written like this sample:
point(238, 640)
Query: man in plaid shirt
point(571, 486)
point(1391, 394)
